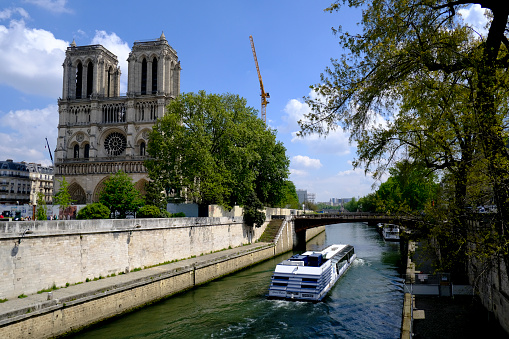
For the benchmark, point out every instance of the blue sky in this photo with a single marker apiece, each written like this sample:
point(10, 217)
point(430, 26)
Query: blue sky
point(293, 40)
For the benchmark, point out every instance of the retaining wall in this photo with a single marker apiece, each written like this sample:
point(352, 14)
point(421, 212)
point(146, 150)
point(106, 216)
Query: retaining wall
point(61, 316)
point(60, 252)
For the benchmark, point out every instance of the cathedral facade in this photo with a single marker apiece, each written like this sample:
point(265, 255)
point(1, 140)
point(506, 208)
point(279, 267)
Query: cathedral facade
point(101, 132)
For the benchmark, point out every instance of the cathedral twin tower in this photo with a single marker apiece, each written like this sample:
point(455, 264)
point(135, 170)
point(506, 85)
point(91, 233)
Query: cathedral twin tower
point(101, 132)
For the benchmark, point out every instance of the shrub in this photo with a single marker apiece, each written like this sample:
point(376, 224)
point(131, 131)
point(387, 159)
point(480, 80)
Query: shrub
point(149, 211)
point(165, 214)
point(178, 215)
point(94, 211)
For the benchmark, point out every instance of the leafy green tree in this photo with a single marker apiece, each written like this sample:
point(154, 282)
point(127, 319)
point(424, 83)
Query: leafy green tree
point(212, 149)
point(149, 211)
point(253, 216)
point(155, 195)
point(408, 190)
point(351, 206)
point(120, 195)
point(291, 199)
point(41, 212)
point(368, 203)
point(94, 211)
point(425, 45)
point(63, 197)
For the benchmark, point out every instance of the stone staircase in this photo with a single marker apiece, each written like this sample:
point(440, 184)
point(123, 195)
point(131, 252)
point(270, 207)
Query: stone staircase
point(271, 231)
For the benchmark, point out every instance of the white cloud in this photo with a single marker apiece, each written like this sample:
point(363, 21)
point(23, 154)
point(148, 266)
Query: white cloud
point(31, 59)
point(474, 16)
point(118, 47)
point(28, 128)
point(9, 12)
point(56, 6)
point(336, 142)
point(344, 184)
point(305, 161)
point(297, 172)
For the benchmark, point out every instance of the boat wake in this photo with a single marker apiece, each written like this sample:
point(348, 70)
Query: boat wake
point(359, 262)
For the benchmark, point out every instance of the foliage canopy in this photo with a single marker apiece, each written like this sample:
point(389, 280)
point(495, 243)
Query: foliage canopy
point(443, 89)
point(212, 149)
point(120, 195)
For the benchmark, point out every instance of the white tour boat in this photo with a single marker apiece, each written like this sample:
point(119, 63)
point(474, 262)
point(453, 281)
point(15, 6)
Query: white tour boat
point(310, 275)
point(390, 232)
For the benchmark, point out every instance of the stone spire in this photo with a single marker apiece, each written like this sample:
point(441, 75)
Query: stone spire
point(73, 43)
point(162, 37)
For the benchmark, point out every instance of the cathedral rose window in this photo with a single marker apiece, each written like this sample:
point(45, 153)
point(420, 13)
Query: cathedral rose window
point(115, 143)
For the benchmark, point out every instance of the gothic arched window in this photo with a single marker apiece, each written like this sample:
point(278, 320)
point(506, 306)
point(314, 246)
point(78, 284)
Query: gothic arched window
point(109, 83)
point(86, 153)
point(142, 148)
point(76, 151)
point(144, 76)
point(90, 78)
point(154, 76)
point(79, 80)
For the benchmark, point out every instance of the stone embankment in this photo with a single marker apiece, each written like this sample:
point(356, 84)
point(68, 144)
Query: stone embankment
point(80, 304)
point(61, 311)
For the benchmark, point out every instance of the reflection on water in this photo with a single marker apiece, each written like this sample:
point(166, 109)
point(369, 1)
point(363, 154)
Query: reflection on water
point(365, 303)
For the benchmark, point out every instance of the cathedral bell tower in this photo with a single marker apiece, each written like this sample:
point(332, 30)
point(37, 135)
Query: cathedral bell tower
point(100, 131)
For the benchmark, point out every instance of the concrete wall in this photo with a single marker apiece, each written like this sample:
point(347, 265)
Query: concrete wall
point(60, 252)
point(490, 281)
point(70, 314)
point(489, 277)
point(313, 232)
point(285, 239)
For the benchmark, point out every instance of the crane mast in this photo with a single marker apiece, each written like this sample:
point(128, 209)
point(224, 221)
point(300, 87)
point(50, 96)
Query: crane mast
point(264, 95)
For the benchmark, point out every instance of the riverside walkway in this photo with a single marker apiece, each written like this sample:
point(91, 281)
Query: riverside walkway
point(48, 304)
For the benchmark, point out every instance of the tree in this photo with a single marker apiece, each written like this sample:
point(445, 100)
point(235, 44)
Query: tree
point(409, 188)
point(155, 195)
point(94, 211)
point(120, 195)
point(212, 149)
point(149, 211)
point(253, 216)
point(41, 213)
point(403, 45)
point(291, 199)
point(63, 197)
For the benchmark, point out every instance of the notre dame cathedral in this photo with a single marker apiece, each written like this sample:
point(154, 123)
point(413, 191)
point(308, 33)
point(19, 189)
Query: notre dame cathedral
point(101, 132)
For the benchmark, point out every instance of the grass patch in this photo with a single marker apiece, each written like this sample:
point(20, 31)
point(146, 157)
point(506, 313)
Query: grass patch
point(3, 300)
point(21, 296)
point(52, 288)
point(136, 269)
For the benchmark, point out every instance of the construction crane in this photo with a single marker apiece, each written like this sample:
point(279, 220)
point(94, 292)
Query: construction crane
point(264, 95)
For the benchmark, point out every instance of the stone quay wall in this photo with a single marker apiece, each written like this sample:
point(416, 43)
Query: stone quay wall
point(36, 255)
point(107, 298)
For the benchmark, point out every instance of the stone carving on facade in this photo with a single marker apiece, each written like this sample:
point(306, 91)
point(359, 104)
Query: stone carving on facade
point(103, 123)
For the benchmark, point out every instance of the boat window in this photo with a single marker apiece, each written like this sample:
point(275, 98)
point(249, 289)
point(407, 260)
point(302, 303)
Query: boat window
point(279, 284)
point(309, 280)
point(280, 277)
point(308, 286)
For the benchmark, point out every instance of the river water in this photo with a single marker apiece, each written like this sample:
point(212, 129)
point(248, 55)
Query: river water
point(365, 303)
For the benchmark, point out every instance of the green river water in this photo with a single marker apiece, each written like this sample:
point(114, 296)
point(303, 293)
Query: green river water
point(365, 303)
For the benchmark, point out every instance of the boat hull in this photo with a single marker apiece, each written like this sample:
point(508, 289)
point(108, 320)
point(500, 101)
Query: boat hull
point(298, 280)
